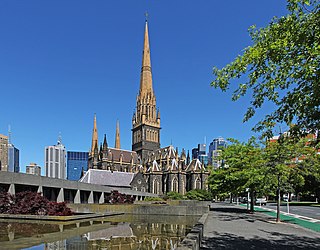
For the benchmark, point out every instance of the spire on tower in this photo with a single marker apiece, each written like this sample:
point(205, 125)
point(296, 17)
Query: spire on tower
point(94, 134)
point(146, 75)
point(117, 142)
point(59, 139)
point(9, 134)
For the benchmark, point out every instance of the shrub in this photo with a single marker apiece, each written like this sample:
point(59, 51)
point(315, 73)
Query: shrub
point(5, 202)
point(199, 194)
point(153, 199)
point(58, 209)
point(31, 203)
point(175, 196)
point(118, 198)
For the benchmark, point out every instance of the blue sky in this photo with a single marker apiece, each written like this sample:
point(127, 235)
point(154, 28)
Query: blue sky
point(62, 61)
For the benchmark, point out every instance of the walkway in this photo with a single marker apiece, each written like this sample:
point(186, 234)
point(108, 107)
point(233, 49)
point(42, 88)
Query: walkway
point(231, 227)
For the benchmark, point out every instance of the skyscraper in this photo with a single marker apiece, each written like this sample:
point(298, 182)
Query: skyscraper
point(200, 153)
point(13, 158)
point(55, 160)
point(215, 148)
point(76, 163)
point(146, 119)
point(3, 152)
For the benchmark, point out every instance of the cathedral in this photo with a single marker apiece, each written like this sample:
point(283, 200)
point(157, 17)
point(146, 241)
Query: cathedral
point(156, 170)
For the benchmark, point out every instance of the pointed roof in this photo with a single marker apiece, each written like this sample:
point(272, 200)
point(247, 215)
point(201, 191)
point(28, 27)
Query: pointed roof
point(117, 142)
point(195, 166)
point(94, 135)
point(174, 166)
point(146, 75)
point(154, 167)
point(105, 144)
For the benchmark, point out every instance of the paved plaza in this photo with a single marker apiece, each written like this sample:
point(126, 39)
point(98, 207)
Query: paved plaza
point(230, 226)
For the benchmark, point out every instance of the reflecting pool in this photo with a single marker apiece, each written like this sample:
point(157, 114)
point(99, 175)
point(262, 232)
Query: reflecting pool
point(114, 232)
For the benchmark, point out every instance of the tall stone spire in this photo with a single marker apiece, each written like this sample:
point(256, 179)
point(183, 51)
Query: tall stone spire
point(146, 119)
point(146, 74)
point(94, 135)
point(117, 142)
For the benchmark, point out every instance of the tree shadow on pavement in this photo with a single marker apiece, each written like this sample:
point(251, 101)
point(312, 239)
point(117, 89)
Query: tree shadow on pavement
point(233, 213)
point(230, 210)
point(276, 241)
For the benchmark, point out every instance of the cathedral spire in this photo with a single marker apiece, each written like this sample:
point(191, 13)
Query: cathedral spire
point(117, 142)
point(146, 75)
point(105, 144)
point(94, 134)
point(146, 119)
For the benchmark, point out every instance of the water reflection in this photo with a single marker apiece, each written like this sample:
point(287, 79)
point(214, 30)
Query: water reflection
point(117, 232)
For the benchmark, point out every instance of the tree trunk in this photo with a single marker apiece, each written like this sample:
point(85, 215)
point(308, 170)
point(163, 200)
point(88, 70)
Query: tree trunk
point(252, 201)
point(278, 204)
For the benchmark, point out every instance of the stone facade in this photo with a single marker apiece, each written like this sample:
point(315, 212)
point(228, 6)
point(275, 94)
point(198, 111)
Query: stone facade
point(163, 169)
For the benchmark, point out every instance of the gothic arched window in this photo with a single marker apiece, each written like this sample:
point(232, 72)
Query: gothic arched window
point(156, 186)
point(175, 185)
point(197, 183)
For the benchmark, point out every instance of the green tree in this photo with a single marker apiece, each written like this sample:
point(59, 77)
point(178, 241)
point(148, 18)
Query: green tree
point(282, 66)
point(310, 170)
point(241, 169)
point(282, 171)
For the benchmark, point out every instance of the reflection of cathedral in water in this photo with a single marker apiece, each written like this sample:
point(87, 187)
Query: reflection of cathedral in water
point(142, 232)
point(125, 236)
point(137, 236)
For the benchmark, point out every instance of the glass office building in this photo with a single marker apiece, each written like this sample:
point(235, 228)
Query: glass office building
point(76, 162)
point(200, 153)
point(13, 159)
point(215, 149)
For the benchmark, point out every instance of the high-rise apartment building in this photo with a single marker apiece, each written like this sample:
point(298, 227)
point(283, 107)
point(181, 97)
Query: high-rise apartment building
point(76, 163)
point(3, 152)
point(55, 160)
point(215, 148)
point(34, 169)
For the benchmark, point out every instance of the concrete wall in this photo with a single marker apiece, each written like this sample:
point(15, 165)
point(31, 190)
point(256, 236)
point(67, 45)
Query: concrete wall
point(193, 239)
point(156, 209)
point(56, 188)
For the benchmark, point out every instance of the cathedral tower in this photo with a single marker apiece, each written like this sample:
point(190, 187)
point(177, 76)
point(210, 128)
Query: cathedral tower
point(146, 118)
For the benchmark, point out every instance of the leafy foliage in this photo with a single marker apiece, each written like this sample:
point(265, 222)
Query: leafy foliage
point(283, 67)
point(287, 164)
point(31, 203)
point(174, 196)
point(153, 199)
point(199, 194)
point(5, 202)
point(118, 198)
point(242, 169)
